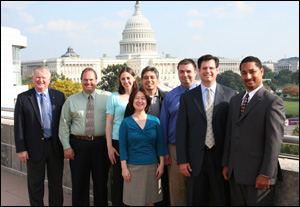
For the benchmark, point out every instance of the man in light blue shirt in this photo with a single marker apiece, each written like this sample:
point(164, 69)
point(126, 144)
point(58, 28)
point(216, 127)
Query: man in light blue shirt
point(187, 74)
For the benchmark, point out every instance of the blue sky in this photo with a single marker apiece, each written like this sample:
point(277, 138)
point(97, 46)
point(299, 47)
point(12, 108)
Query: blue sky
point(185, 29)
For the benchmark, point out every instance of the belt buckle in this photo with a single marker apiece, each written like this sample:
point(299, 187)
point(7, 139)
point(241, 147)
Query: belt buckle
point(91, 137)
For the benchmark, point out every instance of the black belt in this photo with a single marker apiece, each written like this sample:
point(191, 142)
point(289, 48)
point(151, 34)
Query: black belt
point(46, 138)
point(88, 138)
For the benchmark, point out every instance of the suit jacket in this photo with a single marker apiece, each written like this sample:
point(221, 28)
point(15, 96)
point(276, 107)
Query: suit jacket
point(28, 124)
point(161, 95)
point(192, 124)
point(253, 141)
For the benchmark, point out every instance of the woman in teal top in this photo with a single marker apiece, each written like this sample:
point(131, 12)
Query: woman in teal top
point(141, 144)
point(115, 110)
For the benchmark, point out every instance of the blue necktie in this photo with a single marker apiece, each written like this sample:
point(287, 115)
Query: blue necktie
point(45, 116)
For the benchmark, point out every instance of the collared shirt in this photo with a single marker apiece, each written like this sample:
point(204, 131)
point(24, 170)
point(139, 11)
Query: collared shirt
point(169, 113)
point(251, 94)
point(38, 97)
point(154, 108)
point(73, 114)
point(205, 92)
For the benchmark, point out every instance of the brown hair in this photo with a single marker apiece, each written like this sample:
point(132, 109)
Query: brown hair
point(121, 89)
point(132, 96)
point(88, 69)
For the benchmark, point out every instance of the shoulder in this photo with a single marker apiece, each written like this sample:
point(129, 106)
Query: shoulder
point(103, 93)
point(153, 118)
point(56, 92)
point(227, 89)
point(161, 92)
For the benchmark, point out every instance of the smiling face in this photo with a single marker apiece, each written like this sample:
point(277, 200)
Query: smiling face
point(41, 80)
point(187, 75)
point(208, 72)
point(89, 82)
point(251, 75)
point(150, 81)
point(127, 80)
point(139, 101)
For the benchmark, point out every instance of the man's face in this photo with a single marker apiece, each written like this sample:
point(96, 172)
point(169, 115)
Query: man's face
point(149, 80)
point(89, 82)
point(41, 81)
point(187, 75)
point(208, 72)
point(251, 75)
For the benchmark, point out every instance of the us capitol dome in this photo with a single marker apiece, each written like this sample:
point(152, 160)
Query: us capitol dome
point(138, 38)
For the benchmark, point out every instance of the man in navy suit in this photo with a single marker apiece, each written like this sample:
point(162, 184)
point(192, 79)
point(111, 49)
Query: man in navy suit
point(36, 122)
point(200, 135)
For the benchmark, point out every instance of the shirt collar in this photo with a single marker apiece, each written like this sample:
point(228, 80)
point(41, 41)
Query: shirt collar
point(39, 93)
point(190, 88)
point(86, 95)
point(252, 93)
point(212, 88)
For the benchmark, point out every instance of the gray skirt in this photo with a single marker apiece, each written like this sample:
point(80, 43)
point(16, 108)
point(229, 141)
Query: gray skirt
point(143, 187)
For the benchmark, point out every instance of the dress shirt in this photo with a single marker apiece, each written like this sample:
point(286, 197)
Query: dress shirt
point(205, 92)
point(141, 146)
point(73, 114)
point(251, 94)
point(116, 107)
point(38, 96)
point(169, 113)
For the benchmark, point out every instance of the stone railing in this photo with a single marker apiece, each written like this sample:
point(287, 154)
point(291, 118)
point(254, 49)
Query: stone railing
point(286, 192)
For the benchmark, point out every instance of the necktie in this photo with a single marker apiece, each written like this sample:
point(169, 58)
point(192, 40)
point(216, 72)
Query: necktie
point(45, 116)
point(186, 90)
point(89, 120)
point(245, 102)
point(209, 139)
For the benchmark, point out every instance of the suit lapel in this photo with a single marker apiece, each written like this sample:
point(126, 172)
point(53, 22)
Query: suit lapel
point(53, 103)
point(218, 99)
point(35, 105)
point(255, 100)
point(199, 101)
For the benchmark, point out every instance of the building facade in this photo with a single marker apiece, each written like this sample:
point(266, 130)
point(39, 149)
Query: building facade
point(11, 44)
point(287, 63)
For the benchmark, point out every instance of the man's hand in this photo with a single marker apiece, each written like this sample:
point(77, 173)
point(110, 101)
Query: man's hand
point(262, 182)
point(185, 169)
point(168, 160)
point(69, 154)
point(225, 173)
point(23, 156)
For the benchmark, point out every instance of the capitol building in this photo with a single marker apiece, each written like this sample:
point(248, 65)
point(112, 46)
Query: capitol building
point(138, 49)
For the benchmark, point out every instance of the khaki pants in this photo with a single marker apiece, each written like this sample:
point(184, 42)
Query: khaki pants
point(177, 182)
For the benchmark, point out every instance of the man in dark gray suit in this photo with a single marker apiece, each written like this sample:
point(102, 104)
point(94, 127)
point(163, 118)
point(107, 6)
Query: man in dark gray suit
point(253, 140)
point(36, 119)
point(200, 134)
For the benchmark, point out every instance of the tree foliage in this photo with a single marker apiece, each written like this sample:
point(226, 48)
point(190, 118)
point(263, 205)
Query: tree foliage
point(109, 80)
point(231, 80)
point(67, 87)
point(293, 91)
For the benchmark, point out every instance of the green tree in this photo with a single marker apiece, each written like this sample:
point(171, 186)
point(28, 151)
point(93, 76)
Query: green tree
point(271, 85)
point(55, 76)
point(231, 80)
point(27, 81)
point(283, 77)
point(109, 80)
point(295, 77)
point(268, 73)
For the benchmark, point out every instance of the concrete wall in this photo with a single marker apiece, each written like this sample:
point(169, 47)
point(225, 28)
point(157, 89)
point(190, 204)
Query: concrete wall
point(286, 192)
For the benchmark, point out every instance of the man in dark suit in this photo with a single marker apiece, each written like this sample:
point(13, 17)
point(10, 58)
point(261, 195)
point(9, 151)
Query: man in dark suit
point(200, 134)
point(36, 122)
point(253, 140)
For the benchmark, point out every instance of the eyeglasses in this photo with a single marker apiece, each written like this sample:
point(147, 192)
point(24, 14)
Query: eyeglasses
point(208, 69)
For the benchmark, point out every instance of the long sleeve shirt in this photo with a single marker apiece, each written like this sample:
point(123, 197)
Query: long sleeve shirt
point(141, 146)
point(73, 114)
point(169, 113)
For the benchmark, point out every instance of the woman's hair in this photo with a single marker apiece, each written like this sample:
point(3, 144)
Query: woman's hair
point(121, 89)
point(132, 96)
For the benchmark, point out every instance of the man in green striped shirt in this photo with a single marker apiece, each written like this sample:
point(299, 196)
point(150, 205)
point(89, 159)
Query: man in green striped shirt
point(87, 153)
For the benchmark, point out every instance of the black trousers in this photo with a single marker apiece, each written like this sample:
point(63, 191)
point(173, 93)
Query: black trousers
point(36, 177)
point(117, 179)
point(208, 188)
point(90, 158)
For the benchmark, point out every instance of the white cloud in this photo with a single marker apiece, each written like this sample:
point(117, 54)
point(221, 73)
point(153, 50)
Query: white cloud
point(35, 29)
point(193, 12)
point(25, 17)
point(197, 37)
point(196, 23)
point(124, 13)
point(65, 25)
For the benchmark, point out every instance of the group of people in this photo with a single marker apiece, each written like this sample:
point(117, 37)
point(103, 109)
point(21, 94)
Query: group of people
point(195, 145)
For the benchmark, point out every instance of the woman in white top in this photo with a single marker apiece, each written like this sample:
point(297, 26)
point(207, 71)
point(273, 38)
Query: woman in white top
point(115, 110)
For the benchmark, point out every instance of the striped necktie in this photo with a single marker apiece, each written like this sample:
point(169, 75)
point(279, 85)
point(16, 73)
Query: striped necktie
point(245, 102)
